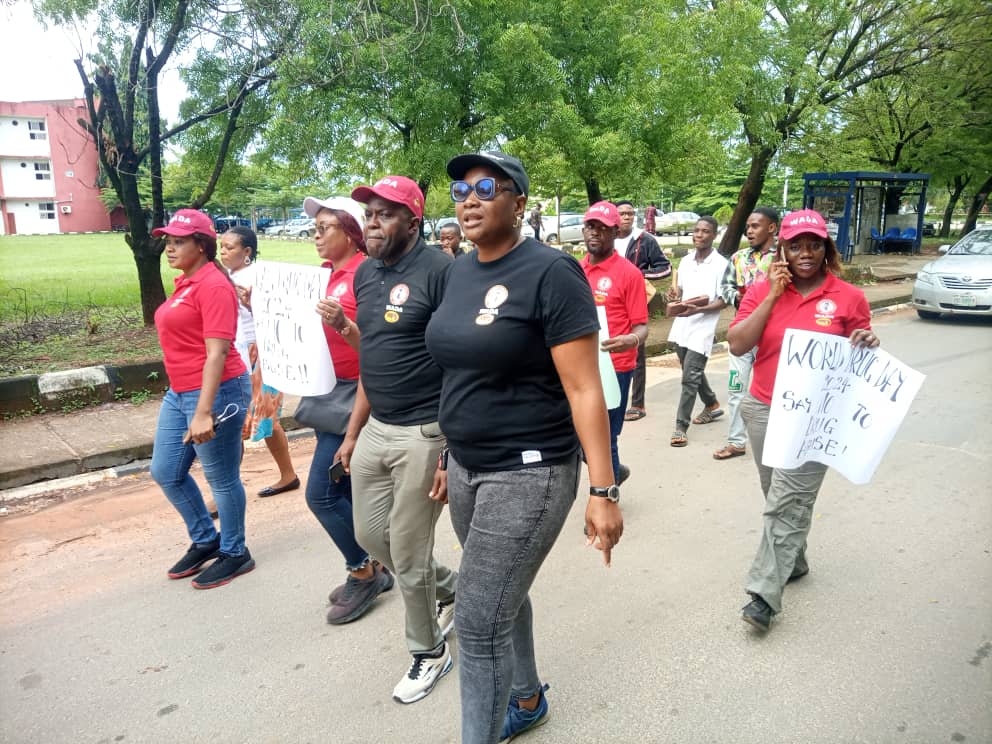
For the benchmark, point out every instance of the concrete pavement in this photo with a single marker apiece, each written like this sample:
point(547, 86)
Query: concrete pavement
point(49, 446)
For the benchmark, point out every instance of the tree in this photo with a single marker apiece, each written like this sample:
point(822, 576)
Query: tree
point(227, 57)
point(791, 64)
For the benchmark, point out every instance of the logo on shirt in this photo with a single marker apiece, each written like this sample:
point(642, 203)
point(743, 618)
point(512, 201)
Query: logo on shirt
point(391, 316)
point(399, 294)
point(825, 310)
point(496, 295)
point(176, 301)
point(602, 290)
point(340, 290)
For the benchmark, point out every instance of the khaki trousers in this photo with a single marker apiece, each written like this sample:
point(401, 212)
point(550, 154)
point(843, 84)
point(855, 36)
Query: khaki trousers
point(392, 471)
point(789, 499)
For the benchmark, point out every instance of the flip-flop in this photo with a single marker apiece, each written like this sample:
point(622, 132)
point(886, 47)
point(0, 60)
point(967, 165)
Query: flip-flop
point(679, 439)
point(731, 450)
point(633, 414)
point(707, 416)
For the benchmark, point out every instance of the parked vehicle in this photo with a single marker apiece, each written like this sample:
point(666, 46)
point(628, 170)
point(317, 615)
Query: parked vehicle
point(960, 281)
point(301, 227)
point(223, 224)
point(565, 228)
point(676, 223)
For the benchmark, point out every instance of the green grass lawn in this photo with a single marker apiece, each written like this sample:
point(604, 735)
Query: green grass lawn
point(55, 274)
point(72, 300)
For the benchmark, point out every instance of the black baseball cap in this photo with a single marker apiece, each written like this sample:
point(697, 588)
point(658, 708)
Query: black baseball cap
point(508, 165)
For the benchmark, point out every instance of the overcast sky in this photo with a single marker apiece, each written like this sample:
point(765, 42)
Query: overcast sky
point(37, 65)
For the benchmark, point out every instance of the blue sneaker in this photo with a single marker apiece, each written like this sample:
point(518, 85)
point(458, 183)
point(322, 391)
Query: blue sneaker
point(518, 720)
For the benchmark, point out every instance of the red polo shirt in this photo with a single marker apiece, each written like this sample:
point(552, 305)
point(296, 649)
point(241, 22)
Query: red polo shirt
point(836, 307)
point(203, 306)
point(618, 285)
point(341, 287)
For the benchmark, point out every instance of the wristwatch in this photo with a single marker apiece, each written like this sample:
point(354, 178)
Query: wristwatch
point(612, 493)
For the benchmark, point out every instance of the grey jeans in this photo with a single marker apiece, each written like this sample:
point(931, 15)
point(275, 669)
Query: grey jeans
point(737, 387)
point(392, 471)
point(789, 499)
point(507, 522)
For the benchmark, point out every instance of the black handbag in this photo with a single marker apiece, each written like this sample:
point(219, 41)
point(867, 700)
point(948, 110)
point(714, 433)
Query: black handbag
point(328, 412)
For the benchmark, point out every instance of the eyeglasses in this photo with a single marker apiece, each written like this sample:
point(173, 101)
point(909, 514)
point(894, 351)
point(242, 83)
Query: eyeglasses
point(485, 188)
point(326, 227)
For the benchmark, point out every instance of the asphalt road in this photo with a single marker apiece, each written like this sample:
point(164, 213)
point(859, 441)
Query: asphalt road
point(889, 639)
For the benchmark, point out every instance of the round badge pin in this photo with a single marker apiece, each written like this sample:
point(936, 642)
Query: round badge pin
point(484, 320)
point(391, 316)
point(399, 294)
point(496, 296)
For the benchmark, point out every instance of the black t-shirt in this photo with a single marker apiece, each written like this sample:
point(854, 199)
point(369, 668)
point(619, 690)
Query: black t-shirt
point(502, 402)
point(395, 302)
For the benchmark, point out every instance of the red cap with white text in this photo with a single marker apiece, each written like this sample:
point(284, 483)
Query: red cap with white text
point(397, 189)
point(803, 221)
point(605, 212)
point(186, 222)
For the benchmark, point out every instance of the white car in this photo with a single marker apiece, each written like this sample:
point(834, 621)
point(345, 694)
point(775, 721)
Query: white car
point(301, 227)
point(676, 223)
point(960, 281)
point(564, 228)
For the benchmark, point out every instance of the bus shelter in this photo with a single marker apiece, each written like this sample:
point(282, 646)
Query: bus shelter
point(870, 212)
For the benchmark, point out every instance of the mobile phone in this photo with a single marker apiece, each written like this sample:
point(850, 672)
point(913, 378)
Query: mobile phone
point(336, 472)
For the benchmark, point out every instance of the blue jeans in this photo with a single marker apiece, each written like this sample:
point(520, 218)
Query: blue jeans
point(330, 502)
point(616, 420)
point(220, 458)
point(507, 523)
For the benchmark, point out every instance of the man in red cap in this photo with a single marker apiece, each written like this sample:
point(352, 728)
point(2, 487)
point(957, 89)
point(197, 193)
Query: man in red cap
point(393, 441)
point(618, 286)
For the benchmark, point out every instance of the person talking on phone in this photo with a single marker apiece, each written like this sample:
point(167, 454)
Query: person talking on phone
point(802, 291)
point(517, 339)
point(205, 406)
point(338, 222)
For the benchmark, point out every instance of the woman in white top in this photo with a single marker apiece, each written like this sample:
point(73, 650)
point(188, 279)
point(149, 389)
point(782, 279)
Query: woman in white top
point(238, 250)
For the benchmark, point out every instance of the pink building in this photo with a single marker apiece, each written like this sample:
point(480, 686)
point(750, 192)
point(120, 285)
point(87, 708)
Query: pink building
point(48, 170)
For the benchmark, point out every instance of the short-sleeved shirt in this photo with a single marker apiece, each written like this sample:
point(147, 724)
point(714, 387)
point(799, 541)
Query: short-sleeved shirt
point(697, 278)
point(836, 307)
point(618, 286)
point(341, 287)
point(502, 405)
point(401, 380)
point(203, 306)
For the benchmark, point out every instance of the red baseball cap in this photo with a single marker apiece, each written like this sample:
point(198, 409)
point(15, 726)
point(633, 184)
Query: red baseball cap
point(186, 222)
point(605, 212)
point(803, 221)
point(397, 189)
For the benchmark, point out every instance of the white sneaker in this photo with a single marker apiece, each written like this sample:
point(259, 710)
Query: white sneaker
point(425, 671)
point(446, 617)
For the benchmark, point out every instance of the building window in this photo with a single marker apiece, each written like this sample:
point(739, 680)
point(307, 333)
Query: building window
point(46, 210)
point(37, 130)
point(43, 171)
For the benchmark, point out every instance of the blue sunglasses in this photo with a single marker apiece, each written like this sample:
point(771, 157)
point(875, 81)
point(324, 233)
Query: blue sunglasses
point(485, 188)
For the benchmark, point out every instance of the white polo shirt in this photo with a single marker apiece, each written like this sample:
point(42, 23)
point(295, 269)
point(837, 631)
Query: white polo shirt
point(698, 278)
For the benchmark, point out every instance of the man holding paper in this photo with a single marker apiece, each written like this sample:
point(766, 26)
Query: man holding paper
point(618, 287)
point(802, 292)
point(694, 300)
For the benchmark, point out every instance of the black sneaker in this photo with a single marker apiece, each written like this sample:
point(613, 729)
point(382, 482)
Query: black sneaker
point(388, 581)
point(798, 572)
point(357, 597)
point(194, 559)
point(224, 570)
point(623, 475)
point(757, 613)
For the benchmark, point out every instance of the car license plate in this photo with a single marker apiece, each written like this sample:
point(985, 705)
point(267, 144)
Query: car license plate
point(964, 300)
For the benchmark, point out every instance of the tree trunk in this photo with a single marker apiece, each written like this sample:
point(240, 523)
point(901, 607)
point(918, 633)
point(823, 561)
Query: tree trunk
point(955, 194)
point(747, 200)
point(148, 259)
point(977, 202)
point(592, 190)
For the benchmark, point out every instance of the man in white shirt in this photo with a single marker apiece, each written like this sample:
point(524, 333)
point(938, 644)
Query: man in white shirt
point(698, 294)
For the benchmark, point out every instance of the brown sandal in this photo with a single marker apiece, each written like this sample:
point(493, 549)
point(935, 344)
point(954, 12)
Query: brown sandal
point(708, 415)
point(633, 414)
point(679, 439)
point(731, 450)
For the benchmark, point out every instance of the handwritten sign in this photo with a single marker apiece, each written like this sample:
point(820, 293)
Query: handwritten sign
point(291, 343)
point(835, 404)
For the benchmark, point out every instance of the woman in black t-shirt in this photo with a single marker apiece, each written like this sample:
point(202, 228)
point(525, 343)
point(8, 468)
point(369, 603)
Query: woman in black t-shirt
point(516, 339)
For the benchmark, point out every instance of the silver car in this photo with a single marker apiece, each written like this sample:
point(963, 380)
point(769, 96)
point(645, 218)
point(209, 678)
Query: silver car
point(960, 281)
